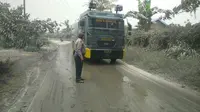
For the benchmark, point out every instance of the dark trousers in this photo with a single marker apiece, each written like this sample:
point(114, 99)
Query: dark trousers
point(79, 66)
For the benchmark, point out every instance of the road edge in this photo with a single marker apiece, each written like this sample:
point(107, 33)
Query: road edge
point(157, 79)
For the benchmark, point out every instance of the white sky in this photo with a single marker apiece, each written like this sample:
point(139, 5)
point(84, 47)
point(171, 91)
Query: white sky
point(61, 10)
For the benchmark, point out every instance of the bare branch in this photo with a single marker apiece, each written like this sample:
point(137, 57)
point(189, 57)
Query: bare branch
point(135, 14)
point(167, 13)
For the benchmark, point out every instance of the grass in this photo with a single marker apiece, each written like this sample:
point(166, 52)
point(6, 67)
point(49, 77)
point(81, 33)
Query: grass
point(185, 71)
point(31, 49)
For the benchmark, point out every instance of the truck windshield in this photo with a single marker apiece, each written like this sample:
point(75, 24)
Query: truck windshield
point(106, 23)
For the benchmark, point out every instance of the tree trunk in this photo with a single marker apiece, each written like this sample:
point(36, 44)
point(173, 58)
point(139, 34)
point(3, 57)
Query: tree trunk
point(149, 23)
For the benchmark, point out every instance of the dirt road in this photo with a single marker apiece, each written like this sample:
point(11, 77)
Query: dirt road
point(107, 88)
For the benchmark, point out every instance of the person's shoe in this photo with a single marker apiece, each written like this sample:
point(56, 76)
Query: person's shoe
point(79, 81)
point(82, 79)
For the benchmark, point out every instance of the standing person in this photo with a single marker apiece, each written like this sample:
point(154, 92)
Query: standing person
point(78, 55)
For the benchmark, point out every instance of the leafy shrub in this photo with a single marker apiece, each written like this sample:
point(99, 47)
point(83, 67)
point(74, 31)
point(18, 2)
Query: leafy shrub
point(192, 36)
point(159, 40)
point(5, 66)
point(185, 70)
point(181, 50)
point(177, 41)
point(140, 38)
point(31, 49)
point(19, 31)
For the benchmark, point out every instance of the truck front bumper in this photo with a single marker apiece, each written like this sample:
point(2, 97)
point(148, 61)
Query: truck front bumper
point(104, 53)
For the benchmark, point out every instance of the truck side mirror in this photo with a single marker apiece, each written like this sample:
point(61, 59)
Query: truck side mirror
point(81, 23)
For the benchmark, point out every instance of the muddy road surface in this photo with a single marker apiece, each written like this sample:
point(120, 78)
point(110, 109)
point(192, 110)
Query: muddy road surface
point(107, 88)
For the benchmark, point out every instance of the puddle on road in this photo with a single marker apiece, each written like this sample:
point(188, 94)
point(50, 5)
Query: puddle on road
point(126, 79)
point(129, 82)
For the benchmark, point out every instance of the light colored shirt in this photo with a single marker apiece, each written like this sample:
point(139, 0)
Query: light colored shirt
point(79, 47)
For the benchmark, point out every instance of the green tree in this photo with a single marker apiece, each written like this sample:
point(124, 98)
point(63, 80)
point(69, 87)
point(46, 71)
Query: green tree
point(67, 31)
point(17, 31)
point(145, 13)
point(187, 6)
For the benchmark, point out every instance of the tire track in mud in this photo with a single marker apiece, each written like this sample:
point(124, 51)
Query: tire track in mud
point(41, 103)
point(26, 63)
point(49, 59)
point(62, 95)
point(55, 91)
point(34, 76)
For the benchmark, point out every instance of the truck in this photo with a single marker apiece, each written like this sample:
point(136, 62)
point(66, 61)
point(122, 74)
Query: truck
point(104, 34)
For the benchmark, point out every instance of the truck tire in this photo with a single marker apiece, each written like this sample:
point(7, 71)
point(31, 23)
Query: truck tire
point(113, 61)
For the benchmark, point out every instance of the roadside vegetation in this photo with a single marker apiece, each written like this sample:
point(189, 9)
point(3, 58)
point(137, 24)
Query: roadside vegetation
point(23, 42)
point(18, 31)
point(172, 52)
point(4, 69)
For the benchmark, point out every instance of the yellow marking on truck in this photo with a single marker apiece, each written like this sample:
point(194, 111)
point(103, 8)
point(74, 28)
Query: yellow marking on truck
point(87, 53)
point(103, 20)
point(106, 39)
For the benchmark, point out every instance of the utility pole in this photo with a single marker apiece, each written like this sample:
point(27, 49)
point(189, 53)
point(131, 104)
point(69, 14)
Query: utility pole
point(24, 3)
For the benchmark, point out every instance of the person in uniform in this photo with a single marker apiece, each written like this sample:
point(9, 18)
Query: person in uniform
point(79, 51)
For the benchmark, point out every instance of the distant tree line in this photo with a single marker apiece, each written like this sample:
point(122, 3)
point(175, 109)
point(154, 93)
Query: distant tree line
point(19, 31)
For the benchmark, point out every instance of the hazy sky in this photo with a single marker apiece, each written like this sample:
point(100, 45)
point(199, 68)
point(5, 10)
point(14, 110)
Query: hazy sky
point(61, 10)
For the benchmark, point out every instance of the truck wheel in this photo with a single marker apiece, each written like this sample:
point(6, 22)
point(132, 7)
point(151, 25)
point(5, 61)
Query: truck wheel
point(113, 61)
point(98, 60)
